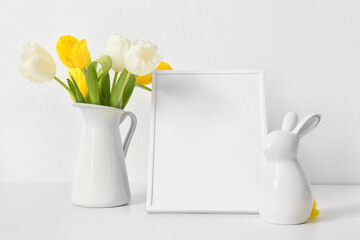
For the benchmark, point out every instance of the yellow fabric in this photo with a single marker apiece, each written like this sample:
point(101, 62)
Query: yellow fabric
point(315, 211)
point(80, 55)
point(72, 52)
point(79, 79)
point(147, 79)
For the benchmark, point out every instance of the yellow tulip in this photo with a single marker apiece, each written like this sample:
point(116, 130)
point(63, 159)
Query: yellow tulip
point(72, 52)
point(315, 211)
point(147, 79)
point(64, 49)
point(80, 55)
point(79, 79)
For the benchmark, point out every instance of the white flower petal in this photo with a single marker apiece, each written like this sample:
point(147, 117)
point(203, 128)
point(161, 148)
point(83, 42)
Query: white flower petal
point(116, 48)
point(36, 63)
point(142, 58)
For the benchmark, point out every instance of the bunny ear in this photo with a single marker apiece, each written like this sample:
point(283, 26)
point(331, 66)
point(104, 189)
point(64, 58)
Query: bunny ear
point(290, 121)
point(307, 124)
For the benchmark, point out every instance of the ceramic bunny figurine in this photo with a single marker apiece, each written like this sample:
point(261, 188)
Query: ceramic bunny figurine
point(285, 194)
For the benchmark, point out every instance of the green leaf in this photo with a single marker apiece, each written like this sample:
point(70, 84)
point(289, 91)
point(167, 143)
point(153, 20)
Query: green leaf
point(116, 90)
point(92, 84)
point(106, 63)
point(87, 99)
point(78, 94)
point(143, 87)
point(100, 71)
point(87, 66)
point(72, 88)
point(128, 90)
point(104, 86)
point(103, 101)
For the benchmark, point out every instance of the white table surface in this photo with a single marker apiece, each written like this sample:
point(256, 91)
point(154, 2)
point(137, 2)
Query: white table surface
point(44, 211)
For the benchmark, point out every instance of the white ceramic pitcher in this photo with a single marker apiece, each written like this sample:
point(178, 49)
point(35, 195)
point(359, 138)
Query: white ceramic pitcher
point(100, 176)
point(285, 192)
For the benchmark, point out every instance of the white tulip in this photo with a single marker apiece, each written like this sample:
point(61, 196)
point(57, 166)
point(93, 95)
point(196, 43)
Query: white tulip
point(36, 64)
point(142, 58)
point(116, 48)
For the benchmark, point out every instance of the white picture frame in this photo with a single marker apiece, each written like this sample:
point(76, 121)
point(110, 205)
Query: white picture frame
point(206, 133)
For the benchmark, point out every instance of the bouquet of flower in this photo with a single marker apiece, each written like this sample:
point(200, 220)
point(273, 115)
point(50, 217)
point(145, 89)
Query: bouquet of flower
point(89, 81)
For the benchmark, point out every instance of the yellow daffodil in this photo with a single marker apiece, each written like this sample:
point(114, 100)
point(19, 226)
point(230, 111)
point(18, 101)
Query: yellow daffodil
point(145, 80)
point(79, 79)
point(72, 52)
point(315, 211)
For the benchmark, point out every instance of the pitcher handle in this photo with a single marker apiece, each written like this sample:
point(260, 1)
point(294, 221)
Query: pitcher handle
point(131, 130)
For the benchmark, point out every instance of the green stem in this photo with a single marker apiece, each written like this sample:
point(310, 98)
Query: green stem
point(114, 80)
point(143, 87)
point(127, 77)
point(66, 87)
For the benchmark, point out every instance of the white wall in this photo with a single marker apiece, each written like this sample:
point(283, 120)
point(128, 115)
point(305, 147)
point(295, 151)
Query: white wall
point(310, 51)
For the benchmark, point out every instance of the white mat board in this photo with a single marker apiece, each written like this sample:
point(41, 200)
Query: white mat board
point(206, 135)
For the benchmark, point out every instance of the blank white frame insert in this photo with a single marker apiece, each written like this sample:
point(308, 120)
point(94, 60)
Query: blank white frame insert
point(207, 128)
